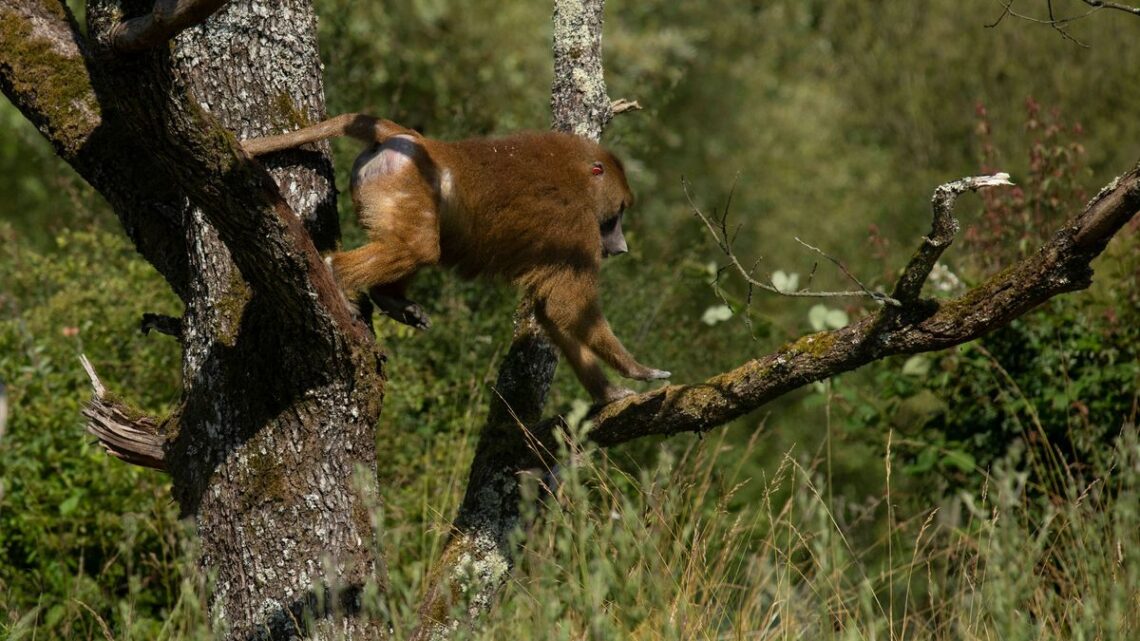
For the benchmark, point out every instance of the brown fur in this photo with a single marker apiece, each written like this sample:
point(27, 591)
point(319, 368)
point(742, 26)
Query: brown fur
point(537, 208)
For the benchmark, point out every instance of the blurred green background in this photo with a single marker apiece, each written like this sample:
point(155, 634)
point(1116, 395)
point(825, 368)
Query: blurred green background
point(831, 121)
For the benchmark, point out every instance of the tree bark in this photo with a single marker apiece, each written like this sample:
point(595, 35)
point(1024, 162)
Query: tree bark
point(282, 387)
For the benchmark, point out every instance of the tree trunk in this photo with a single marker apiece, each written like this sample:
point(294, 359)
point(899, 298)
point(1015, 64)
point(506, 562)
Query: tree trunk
point(277, 416)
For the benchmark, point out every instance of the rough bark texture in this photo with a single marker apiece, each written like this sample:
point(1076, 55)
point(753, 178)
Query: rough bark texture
point(578, 98)
point(282, 387)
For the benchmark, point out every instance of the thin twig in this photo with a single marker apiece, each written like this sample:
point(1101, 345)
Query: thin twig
point(878, 296)
point(724, 241)
point(1102, 4)
point(1060, 24)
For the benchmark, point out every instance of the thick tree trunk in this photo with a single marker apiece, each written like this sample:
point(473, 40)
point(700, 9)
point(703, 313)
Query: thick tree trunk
point(272, 448)
point(477, 559)
point(271, 434)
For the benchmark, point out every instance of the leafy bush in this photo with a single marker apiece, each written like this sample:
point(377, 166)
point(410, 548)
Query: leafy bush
point(1060, 381)
point(82, 536)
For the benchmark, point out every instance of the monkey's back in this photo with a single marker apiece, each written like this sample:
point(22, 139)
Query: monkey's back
point(515, 204)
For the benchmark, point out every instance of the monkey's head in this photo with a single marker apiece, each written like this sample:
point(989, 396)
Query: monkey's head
point(614, 197)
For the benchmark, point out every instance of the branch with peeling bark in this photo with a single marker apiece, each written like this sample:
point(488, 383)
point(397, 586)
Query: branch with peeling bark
point(123, 432)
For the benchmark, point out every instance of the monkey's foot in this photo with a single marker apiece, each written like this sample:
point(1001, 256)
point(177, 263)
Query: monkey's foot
point(650, 375)
point(403, 311)
point(614, 394)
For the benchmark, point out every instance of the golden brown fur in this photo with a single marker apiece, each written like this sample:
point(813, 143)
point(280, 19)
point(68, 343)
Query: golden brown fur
point(540, 209)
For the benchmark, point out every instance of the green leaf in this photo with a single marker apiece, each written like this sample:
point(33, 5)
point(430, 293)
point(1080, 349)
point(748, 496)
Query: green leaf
point(836, 319)
point(785, 282)
point(962, 460)
point(917, 366)
point(69, 505)
point(822, 317)
point(924, 462)
point(716, 314)
point(817, 316)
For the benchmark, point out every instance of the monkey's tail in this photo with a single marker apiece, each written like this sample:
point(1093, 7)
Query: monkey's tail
point(360, 126)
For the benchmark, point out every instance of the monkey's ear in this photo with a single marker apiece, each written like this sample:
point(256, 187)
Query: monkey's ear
point(598, 169)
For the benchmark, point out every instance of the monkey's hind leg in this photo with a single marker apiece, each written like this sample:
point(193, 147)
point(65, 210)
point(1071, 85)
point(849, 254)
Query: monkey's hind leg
point(377, 264)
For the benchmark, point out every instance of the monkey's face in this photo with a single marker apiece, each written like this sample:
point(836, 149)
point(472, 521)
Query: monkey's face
point(613, 241)
point(614, 197)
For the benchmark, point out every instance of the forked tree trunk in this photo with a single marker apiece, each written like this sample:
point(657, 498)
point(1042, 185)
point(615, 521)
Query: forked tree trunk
point(272, 450)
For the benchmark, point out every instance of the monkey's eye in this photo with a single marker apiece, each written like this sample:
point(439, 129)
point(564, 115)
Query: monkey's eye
point(609, 225)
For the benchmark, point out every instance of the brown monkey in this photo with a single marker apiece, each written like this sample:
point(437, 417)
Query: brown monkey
point(540, 209)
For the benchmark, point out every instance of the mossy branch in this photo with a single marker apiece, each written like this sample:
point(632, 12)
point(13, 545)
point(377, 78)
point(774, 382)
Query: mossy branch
point(923, 325)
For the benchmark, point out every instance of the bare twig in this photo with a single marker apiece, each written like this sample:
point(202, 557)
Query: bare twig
point(166, 20)
point(1061, 25)
point(942, 232)
point(878, 296)
point(1103, 4)
point(724, 241)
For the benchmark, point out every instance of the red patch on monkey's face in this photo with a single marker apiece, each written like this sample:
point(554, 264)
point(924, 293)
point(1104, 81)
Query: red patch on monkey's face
point(597, 169)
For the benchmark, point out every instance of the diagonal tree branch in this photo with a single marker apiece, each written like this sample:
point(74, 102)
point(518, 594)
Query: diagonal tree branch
point(45, 70)
point(165, 21)
point(923, 325)
point(265, 238)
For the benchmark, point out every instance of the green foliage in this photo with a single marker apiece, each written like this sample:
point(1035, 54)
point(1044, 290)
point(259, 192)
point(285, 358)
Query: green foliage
point(82, 537)
point(1065, 377)
point(824, 118)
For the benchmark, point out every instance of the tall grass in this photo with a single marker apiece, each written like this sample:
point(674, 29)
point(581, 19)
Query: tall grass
point(658, 553)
